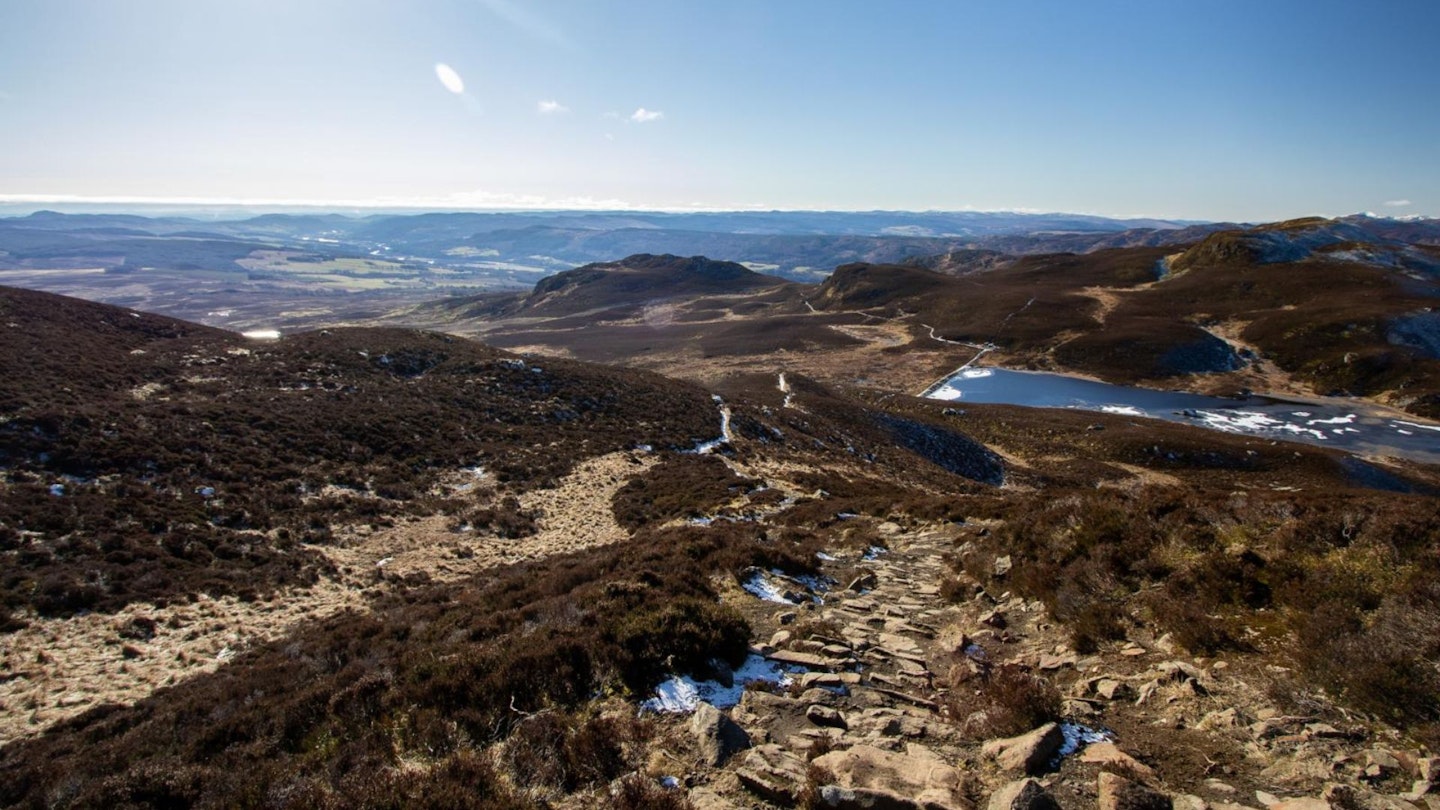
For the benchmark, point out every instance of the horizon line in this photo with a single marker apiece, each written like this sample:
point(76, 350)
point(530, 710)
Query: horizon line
point(520, 203)
point(500, 203)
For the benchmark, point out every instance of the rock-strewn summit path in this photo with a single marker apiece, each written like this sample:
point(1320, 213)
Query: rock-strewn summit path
point(884, 660)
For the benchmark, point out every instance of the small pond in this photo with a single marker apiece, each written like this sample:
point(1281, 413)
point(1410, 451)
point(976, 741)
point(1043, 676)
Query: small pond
point(1344, 424)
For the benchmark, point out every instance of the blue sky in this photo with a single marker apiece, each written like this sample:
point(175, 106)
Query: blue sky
point(1255, 110)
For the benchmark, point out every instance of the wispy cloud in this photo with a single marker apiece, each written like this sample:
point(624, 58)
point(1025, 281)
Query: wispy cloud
point(449, 78)
point(644, 116)
point(551, 108)
point(1397, 203)
point(521, 16)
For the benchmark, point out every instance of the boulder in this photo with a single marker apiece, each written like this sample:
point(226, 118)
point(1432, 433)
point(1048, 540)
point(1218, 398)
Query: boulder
point(865, 582)
point(1112, 689)
point(1110, 758)
point(994, 618)
point(1029, 753)
point(1119, 793)
point(1303, 803)
point(917, 774)
point(1429, 770)
point(1023, 794)
point(1003, 565)
point(717, 737)
point(826, 716)
point(772, 773)
point(843, 798)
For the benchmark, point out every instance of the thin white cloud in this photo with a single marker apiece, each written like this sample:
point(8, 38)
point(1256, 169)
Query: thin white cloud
point(644, 116)
point(550, 107)
point(520, 16)
point(449, 78)
point(476, 200)
point(1397, 203)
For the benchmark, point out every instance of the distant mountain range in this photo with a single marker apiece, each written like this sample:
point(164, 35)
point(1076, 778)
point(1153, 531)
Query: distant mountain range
point(797, 244)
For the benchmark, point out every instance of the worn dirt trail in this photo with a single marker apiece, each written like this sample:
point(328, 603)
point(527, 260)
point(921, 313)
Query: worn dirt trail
point(94, 659)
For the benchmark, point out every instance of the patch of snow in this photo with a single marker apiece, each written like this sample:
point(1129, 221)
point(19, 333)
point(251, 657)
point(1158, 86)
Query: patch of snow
point(977, 373)
point(874, 552)
point(785, 389)
point(205, 492)
point(1252, 422)
point(385, 561)
point(1415, 425)
point(1302, 414)
point(262, 334)
point(946, 393)
point(57, 490)
point(683, 693)
point(705, 448)
point(823, 557)
point(816, 583)
point(1122, 410)
point(1338, 420)
point(669, 783)
point(1077, 737)
point(761, 586)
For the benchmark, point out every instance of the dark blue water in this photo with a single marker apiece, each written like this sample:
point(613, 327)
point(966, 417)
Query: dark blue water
point(1343, 424)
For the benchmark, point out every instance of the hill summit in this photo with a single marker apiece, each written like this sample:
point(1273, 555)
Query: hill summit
point(638, 279)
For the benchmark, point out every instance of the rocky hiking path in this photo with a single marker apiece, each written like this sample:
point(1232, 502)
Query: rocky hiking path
point(889, 707)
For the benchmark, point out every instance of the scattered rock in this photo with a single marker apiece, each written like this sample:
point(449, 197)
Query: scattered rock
point(717, 737)
point(1225, 718)
point(1429, 770)
point(1109, 757)
point(995, 619)
point(1112, 689)
point(1177, 672)
point(1053, 662)
point(1301, 804)
point(1003, 565)
point(865, 582)
point(918, 773)
point(826, 716)
point(1119, 793)
point(1023, 794)
point(843, 798)
point(1029, 753)
point(772, 773)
